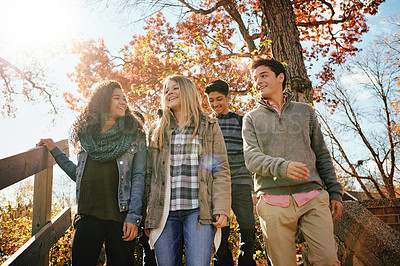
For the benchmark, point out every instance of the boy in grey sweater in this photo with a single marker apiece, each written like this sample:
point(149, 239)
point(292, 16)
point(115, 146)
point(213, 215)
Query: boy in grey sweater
point(295, 178)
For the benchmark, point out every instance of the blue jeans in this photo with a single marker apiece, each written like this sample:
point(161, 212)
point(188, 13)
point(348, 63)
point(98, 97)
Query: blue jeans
point(242, 206)
point(182, 227)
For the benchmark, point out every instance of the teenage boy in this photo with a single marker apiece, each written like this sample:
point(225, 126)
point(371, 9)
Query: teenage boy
point(241, 180)
point(295, 178)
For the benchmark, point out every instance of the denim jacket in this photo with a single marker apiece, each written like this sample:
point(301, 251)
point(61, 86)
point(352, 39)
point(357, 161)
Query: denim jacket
point(131, 168)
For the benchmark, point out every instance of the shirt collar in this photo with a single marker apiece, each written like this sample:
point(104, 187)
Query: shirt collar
point(273, 105)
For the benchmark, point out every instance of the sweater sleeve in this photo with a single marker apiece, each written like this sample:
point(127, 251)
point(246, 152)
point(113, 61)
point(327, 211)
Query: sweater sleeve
point(256, 161)
point(324, 163)
point(221, 188)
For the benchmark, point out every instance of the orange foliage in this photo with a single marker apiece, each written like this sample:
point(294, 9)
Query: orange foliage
point(16, 226)
point(206, 44)
point(162, 51)
point(206, 47)
point(332, 28)
point(15, 230)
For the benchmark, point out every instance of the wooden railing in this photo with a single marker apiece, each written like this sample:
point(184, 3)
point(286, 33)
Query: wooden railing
point(45, 231)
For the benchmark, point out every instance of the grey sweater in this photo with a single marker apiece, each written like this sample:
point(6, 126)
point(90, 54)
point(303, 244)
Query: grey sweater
point(271, 141)
point(231, 127)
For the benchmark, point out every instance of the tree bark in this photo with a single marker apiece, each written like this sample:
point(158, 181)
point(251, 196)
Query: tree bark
point(282, 30)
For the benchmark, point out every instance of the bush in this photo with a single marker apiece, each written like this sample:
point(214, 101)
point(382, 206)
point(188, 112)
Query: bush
point(60, 253)
point(15, 229)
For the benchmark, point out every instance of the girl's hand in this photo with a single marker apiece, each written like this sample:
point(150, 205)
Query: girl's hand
point(130, 231)
point(254, 199)
point(221, 221)
point(49, 143)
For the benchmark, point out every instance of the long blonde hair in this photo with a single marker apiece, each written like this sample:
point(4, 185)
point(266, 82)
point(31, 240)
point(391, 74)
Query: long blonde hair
point(190, 109)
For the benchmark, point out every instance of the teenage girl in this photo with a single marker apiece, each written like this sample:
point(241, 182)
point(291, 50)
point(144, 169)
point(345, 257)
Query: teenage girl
point(188, 184)
point(109, 177)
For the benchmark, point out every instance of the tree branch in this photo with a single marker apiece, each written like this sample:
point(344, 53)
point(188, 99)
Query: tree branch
point(234, 13)
point(374, 75)
point(346, 158)
point(230, 8)
point(203, 11)
point(324, 22)
point(6, 64)
point(329, 5)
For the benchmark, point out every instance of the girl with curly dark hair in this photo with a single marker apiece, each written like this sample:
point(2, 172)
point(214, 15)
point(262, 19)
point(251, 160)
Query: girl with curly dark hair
point(109, 177)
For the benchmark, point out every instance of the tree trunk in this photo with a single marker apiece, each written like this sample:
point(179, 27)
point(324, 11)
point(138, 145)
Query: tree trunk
point(391, 190)
point(284, 34)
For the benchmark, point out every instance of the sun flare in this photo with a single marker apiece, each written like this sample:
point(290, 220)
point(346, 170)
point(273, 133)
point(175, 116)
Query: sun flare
point(39, 23)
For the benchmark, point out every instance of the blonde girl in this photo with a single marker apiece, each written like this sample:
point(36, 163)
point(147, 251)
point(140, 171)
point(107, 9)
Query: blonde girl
point(188, 183)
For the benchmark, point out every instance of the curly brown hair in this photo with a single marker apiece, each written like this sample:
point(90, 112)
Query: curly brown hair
point(93, 117)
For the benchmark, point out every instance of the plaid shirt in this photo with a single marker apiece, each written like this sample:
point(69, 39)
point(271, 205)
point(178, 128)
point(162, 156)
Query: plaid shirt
point(184, 164)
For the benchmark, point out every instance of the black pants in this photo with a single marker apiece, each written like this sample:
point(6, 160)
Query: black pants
point(242, 206)
point(89, 236)
point(149, 258)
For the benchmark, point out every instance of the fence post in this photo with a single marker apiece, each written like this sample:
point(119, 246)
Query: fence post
point(42, 204)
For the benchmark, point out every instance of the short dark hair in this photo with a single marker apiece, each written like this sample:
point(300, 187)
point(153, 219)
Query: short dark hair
point(276, 66)
point(218, 85)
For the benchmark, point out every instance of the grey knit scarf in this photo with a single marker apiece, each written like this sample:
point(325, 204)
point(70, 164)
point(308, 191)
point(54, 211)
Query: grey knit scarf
point(108, 145)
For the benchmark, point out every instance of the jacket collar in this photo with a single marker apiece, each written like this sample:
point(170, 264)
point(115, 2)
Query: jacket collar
point(205, 118)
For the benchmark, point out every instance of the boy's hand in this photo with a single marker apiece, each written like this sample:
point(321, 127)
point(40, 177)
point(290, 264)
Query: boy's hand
point(221, 221)
point(336, 209)
point(297, 171)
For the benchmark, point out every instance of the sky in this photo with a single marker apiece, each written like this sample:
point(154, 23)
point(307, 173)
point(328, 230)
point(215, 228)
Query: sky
point(30, 29)
point(33, 25)
point(33, 28)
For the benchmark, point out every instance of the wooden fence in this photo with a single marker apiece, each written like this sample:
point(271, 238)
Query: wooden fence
point(45, 231)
